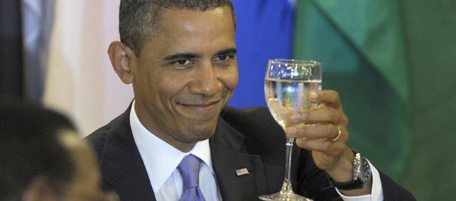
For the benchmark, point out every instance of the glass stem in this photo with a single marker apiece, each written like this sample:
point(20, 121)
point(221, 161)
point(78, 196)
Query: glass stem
point(287, 183)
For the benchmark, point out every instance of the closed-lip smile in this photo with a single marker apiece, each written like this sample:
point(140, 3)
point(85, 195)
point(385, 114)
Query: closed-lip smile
point(200, 106)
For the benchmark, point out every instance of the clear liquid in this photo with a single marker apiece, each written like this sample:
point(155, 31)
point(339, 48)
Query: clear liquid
point(284, 96)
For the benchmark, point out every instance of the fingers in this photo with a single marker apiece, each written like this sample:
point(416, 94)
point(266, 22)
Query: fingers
point(321, 129)
point(327, 132)
point(321, 114)
point(321, 145)
point(329, 110)
point(320, 138)
point(328, 97)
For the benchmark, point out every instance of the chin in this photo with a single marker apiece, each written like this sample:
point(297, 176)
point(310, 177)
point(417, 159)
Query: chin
point(202, 134)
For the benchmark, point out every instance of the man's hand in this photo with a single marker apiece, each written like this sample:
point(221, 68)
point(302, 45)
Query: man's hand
point(324, 132)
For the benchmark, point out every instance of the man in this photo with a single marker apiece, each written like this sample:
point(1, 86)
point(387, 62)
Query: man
point(180, 57)
point(42, 158)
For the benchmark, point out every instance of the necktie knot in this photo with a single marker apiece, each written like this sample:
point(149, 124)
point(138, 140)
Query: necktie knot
point(189, 169)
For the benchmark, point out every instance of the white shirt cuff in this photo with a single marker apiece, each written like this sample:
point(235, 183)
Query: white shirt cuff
point(376, 192)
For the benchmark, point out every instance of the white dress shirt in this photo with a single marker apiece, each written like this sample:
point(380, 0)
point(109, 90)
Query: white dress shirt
point(161, 161)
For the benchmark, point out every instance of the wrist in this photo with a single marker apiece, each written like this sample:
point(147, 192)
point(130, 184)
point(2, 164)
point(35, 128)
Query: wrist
point(361, 175)
point(343, 171)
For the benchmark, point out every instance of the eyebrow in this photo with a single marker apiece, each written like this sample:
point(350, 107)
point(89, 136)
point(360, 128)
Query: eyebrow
point(227, 51)
point(184, 55)
point(188, 55)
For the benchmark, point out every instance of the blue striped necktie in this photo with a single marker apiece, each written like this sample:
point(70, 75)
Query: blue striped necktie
point(189, 169)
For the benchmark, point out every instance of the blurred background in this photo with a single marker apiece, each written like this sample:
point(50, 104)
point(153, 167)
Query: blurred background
point(392, 61)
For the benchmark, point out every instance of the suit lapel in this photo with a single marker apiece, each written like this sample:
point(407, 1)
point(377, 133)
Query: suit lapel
point(123, 169)
point(121, 164)
point(227, 157)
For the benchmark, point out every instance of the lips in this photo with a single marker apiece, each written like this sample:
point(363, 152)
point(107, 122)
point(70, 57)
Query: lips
point(200, 106)
point(200, 109)
point(199, 112)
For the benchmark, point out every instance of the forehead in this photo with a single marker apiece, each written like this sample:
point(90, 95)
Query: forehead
point(184, 30)
point(190, 19)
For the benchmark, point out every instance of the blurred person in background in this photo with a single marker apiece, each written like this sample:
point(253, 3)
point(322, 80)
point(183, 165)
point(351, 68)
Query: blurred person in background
point(42, 157)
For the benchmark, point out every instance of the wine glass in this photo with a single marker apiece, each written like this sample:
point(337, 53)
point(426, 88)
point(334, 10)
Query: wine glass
point(287, 82)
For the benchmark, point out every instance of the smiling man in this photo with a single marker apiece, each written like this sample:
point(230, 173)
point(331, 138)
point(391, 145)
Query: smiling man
point(186, 74)
point(180, 57)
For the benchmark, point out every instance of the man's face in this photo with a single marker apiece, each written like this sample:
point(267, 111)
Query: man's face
point(186, 75)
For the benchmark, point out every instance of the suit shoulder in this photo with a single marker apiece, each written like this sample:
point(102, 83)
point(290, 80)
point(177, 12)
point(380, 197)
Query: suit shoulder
point(99, 137)
point(250, 113)
point(252, 121)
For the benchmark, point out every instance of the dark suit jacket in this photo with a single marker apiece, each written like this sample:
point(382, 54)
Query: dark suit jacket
point(247, 138)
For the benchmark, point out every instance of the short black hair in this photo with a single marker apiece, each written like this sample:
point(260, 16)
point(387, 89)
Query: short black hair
point(139, 20)
point(30, 147)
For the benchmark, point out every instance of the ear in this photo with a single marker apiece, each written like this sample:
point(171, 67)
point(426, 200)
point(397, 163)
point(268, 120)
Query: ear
point(122, 57)
point(39, 190)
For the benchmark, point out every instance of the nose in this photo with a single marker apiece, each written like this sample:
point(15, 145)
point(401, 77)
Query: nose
point(207, 80)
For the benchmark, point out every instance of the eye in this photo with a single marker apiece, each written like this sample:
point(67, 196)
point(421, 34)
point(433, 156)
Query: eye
point(224, 57)
point(182, 62)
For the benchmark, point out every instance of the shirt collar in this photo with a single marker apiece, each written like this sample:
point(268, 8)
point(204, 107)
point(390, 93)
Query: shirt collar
point(159, 157)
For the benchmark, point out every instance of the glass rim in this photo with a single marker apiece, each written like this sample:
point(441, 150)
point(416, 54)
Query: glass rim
point(299, 61)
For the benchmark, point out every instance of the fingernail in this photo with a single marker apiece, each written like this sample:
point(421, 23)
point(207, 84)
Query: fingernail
point(295, 117)
point(292, 132)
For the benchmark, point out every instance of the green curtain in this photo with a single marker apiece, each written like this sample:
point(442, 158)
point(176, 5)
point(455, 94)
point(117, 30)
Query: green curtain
point(360, 46)
point(394, 65)
point(431, 39)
